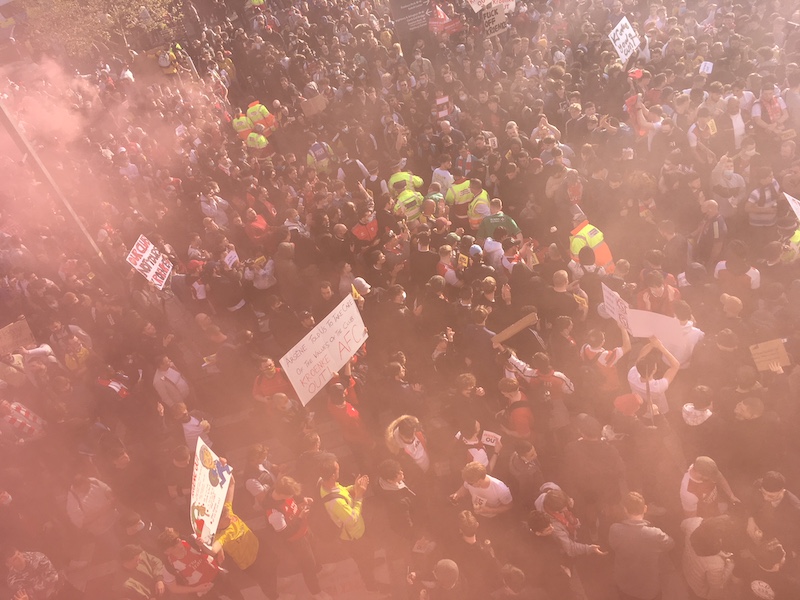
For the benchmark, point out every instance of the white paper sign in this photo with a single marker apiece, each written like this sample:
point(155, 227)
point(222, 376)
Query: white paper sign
point(210, 482)
point(231, 258)
point(509, 6)
point(706, 67)
point(794, 204)
point(324, 350)
point(494, 20)
point(643, 324)
point(490, 438)
point(477, 5)
point(146, 258)
point(615, 306)
point(625, 39)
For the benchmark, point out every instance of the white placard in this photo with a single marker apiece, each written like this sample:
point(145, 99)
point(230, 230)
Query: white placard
point(15, 336)
point(794, 204)
point(477, 5)
point(324, 350)
point(231, 258)
point(210, 482)
point(643, 324)
point(490, 438)
point(148, 260)
point(615, 306)
point(625, 39)
point(706, 67)
point(494, 20)
point(509, 6)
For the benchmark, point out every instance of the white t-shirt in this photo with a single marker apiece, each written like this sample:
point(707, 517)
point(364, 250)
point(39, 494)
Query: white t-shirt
point(494, 496)
point(658, 390)
point(683, 349)
point(416, 451)
point(443, 178)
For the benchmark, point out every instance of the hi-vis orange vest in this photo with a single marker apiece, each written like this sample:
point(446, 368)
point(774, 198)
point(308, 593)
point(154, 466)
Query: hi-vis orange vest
point(586, 234)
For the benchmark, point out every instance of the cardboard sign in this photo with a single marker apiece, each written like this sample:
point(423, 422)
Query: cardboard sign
point(765, 353)
point(625, 39)
point(324, 350)
point(463, 260)
point(148, 260)
point(210, 482)
point(615, 306)
point(477, 5)
point(314, 106)
point(706, 67)
point(494, 20)
point(490, 438)
point(15, 336)
point(794, 204)
point(515, 328)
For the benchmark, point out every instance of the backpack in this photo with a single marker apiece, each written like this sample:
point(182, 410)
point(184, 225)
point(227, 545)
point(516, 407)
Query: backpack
point(590, 378)
point(320, 519)
point(591, 282)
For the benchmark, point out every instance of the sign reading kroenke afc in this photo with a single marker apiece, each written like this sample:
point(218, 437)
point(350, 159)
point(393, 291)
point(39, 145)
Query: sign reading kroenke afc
point(324, 350)
point(148, 260)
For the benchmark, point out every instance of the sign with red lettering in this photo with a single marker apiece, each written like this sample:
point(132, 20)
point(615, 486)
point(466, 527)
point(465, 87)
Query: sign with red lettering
point(148, 260)
point(324, 350)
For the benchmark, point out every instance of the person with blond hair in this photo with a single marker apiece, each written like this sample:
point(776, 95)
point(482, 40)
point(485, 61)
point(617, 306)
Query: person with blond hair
point(287, 513)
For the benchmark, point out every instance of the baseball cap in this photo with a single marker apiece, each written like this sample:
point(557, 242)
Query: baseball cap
point(475, 250)
point(442, 223)
point(509, 242)
point(452, 239)
point(706, 467)
point(362, 287)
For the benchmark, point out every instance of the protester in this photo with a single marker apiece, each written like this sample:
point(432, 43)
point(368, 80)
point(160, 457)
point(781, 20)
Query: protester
point(473, 194)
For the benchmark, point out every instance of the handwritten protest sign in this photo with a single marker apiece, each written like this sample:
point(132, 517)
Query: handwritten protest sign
point(324, 350)
point(794, 204)
point(494, 20)
point(15, 336)
point(231, 258)
point(625, 39)
point(765, 353)
point(490, 438)
point(477, 5)
point(148, 260)
point(615, 306)
point(210, 482)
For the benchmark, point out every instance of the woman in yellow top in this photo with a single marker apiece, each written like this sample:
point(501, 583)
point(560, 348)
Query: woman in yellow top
point(235, 540)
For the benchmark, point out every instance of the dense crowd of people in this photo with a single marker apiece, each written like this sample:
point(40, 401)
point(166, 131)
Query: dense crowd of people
point(502, 436)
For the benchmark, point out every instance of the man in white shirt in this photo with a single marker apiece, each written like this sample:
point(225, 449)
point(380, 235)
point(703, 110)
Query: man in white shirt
point(641, 377)
point(690, 335)
point(442, 174)
point(490, 496)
